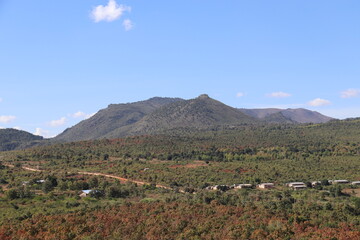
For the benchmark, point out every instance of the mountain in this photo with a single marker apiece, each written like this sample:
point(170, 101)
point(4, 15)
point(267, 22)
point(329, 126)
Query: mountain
point(111, 118)
point(299, 115)
point(196, 114)
point(11, 139)
point(155, 115)
point(161, 116)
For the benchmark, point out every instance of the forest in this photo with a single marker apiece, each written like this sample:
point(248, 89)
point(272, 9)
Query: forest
point(155, 187)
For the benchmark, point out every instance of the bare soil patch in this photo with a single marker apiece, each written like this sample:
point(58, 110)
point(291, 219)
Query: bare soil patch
point(353, 192)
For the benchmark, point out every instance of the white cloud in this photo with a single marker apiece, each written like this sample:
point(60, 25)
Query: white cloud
point(17, 128)
point(57, 123)
point(42, 132)
point(240, 94)
point(83, 115)
point(128, 24)
point(1, 100)
point(319, 102)
point(279, 95)
point(79, 114)
point(350, 93)
point(7, 119)
point(111, 12)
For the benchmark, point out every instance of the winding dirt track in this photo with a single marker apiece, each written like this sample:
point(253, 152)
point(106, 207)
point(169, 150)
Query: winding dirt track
point(26, 168)
point(123, 179)
point(101, 174)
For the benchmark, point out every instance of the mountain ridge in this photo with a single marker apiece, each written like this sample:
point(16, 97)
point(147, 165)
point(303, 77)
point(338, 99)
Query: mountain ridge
point(297, 115)
point(11, 138)
point(157, 115)
point(161, 115)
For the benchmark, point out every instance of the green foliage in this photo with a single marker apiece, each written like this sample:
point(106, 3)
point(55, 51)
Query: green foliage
point(11, 139)
point(237, 154)
point(47, 186)
point(20, 192)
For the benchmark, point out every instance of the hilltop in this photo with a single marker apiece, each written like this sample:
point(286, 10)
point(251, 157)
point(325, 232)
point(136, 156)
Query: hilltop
point(158, 115)
point(164, 115)
point(299, 115)
point(12, 139)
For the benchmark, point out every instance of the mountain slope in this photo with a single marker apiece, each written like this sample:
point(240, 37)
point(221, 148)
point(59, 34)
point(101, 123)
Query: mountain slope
point(113, 117)
point(164, 115)
point(198, 113)
point(11, 139)
point(299, 115)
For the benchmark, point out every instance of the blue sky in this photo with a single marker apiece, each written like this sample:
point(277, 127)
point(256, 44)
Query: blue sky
point(61, 61)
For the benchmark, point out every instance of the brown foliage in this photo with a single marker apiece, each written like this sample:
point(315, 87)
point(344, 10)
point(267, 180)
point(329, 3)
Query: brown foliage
point(171, 221)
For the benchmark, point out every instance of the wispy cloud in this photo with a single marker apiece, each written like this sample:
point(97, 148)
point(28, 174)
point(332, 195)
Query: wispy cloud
point(57, 123)
point(83, 115)
point(351, 92)
point(128, 24)
point(1, 100)
point(17, 128)
point(318, 102)
point(7, 119)
point(279, 95)
point(42, 132)
point(111, 12)
point(240, 94)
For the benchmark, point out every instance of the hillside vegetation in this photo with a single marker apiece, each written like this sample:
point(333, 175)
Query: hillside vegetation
point(12, 139)
point(40, 187)
point(168, 115)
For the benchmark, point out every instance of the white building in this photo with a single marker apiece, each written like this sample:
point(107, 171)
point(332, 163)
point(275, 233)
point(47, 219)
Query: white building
point(356, 183)
point(339, 181)
point(85, 193)
point(266, 185)
point(240, 186)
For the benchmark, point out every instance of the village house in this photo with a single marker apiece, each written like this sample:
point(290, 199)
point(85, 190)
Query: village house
point(355, 183)
point(297, 185)
point(36, 181)
point(266, 185)
point(240, 186)
point(339, 181)
point(315, 183)
point(218, 187)
point(85, 193)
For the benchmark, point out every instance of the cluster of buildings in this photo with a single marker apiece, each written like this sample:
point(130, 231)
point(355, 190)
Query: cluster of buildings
point(292, 185)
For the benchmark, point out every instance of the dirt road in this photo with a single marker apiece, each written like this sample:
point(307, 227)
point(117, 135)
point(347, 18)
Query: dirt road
point(100, 174)
point(123, 179)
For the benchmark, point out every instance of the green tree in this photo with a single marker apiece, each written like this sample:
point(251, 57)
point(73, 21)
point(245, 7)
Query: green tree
point(47, 186)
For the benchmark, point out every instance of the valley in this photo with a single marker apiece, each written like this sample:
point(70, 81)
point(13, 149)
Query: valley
point(174, 175)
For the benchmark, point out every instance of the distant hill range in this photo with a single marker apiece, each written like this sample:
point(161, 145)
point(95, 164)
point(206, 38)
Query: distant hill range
point(16, 139)
point(275, 115)
point(162, 115)
point(158, 115)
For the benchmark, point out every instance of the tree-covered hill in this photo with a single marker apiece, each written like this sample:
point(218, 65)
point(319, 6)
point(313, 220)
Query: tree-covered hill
point(11, 139)
point(171, 117)
point(195, 114)
point(115, 116)
point(160, 115)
